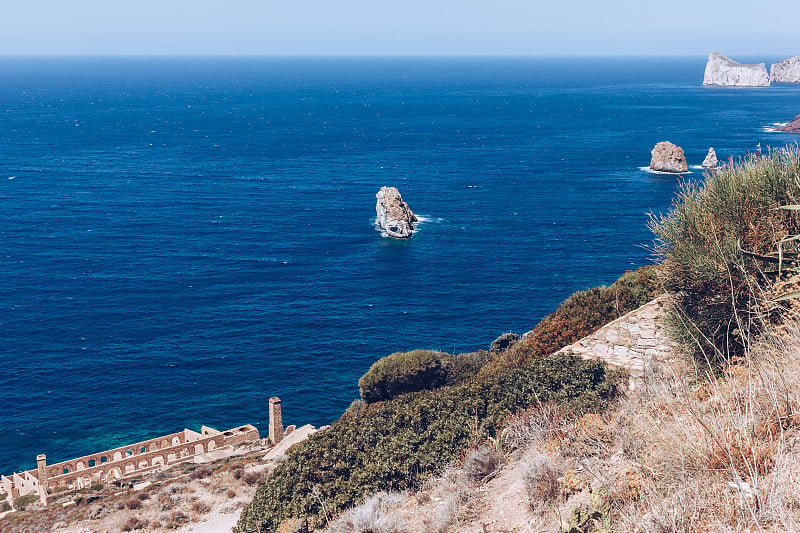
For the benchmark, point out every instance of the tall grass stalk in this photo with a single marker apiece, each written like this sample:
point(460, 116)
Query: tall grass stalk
point(699, 242)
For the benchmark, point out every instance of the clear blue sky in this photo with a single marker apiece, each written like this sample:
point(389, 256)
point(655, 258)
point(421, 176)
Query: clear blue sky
point(405, 27)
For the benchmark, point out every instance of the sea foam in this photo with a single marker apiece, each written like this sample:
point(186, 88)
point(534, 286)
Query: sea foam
point(651, 171)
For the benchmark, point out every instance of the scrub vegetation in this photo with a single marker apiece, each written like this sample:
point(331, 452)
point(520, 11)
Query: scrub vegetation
point(423, 410)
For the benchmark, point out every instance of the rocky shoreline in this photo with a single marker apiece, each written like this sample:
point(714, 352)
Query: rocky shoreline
point(791, 127)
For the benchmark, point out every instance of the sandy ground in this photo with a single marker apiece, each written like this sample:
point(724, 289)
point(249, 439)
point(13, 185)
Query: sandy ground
point(217, 520)
point(214, 522)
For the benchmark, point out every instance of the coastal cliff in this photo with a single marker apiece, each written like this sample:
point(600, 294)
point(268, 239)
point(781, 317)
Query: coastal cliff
point(786, 71)
point(723, 71)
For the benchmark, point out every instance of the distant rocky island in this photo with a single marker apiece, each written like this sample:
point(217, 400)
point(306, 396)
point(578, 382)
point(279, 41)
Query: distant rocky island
point(394, 215)
point(668, 157)
point(724, 71)
point(786, 71)
point(711, 160)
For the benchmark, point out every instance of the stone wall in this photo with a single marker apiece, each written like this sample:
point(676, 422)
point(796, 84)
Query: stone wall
point(637, 341)
point(118, 463)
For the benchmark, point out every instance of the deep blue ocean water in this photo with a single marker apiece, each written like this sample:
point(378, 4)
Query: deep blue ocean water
point(181, 239)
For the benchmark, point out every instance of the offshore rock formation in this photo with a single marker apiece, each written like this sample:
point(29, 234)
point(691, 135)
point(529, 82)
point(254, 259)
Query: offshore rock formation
point(503, 343)
point(786, 71)
point(791, 127)
point(711, 159)
point(394, 215)
point(721, 70)
point(667, 157)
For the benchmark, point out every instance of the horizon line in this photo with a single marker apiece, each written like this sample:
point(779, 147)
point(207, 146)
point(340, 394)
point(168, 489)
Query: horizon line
point(366, 55)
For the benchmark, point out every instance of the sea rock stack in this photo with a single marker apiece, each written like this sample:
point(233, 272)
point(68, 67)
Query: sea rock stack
point(711, 159)
point(721, 70)
point(667, 157)
point(791, 127)
point(786, 71)
point(394, 215)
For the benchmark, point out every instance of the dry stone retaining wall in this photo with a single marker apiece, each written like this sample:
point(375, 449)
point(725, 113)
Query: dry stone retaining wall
point(638, 341)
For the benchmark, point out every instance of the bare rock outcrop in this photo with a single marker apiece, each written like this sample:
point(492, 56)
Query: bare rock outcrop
point(721, 70)
point(786, 71)
point(711, 159)
point(667, 157)
point(394, 215)
point(791, 127)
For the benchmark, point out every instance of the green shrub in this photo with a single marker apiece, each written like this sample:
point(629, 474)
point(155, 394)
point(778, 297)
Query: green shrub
point(463, 366)
point(22, 502)
point(403, 372)
point(585, 312)
point(393, 445)
point(700, 239)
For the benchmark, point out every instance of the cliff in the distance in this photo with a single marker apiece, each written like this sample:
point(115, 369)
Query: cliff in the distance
point(786, 71)
point(721, 70)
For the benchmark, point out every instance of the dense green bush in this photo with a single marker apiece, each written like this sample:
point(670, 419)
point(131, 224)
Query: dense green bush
point(403, 372)
point(700, 239)
point(465, 365)
point(585, 312)
point(393, 445)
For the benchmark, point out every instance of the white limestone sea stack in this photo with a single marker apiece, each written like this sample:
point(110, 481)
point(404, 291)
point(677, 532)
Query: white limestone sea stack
point(786, 71)
point(667, 157)
point(711, 159)
point(394, 215)
point(721, 70)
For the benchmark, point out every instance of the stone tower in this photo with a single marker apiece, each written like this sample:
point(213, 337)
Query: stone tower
point(41, 473)
point(275, 420)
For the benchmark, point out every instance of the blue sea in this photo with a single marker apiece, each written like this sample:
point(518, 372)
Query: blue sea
point(181, 239)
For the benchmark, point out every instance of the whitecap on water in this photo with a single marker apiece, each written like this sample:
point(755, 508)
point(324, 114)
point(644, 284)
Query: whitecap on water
point(421, 220)
point(773, 128)
point(651, 171)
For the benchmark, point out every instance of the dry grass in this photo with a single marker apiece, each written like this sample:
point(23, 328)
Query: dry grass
point(723, 451)
point(688, 452)
point(376, 515)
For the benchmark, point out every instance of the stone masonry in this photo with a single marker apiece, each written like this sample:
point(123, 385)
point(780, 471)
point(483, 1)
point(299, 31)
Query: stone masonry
point(275, 420)
point(124, 462)
point(637, 341)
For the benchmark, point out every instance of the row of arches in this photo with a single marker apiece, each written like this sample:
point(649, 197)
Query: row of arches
point(158, 459)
